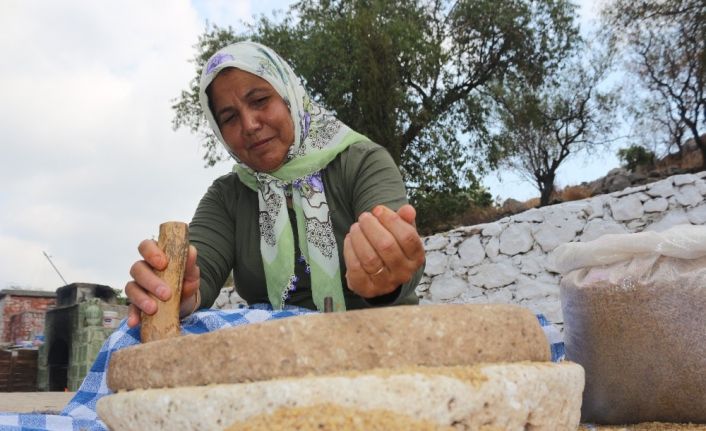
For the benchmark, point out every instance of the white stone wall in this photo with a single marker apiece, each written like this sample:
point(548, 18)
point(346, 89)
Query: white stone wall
point(507, 261)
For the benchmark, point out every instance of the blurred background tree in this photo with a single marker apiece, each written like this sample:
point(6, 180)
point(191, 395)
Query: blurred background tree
point(636, 156)
point(663, 44)
point(541, 126)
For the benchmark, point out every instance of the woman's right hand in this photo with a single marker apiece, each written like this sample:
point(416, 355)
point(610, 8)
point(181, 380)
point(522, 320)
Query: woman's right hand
point(146, 281)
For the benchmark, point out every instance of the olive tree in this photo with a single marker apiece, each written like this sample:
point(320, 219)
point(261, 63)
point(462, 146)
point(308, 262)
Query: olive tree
point(540, 127)
point(409, 74)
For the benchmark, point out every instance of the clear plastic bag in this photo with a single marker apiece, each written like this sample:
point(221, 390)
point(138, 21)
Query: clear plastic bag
point(635, 318)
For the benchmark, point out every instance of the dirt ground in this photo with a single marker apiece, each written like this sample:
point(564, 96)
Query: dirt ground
point(28, 402)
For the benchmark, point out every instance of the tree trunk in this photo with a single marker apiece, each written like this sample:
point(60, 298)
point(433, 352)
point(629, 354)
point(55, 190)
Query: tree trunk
point(701, 143)
point(546, 190)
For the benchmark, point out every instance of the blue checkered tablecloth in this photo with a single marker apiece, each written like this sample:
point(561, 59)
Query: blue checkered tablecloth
point(80, 413)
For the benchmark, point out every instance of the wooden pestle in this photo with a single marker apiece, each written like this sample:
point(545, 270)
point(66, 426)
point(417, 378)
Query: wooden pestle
point(174, 241)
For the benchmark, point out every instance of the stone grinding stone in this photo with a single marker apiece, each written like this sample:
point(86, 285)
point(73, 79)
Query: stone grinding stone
point(504, 396)
point(391, 337)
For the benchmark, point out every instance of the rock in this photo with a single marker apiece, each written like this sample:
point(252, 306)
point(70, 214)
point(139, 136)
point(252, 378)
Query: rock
point(533, 215)
point(514, 396)
point(663, 189)
point(446, 287)
point(644, 197)
point(597, 228)
point(493, 248)
point(531, 290)
point(672, 218)
point(456, 265)
point(436, 263)
point(629, 191)
point(227, 299)
point(386, 337)
point(421, 288)
point(517, 238)
point(568, 221)
point(597, 186)
point(550, 237)
point(701, 186)
point(472, 298)
point(558, 216)
point(492, 229)
point(531, 264)
point(551, 310)
point(436, 242)
point(597, 204)
point(636, 225)
point(637, 178)
point(550, 264)
point(697, 215)
point(627, 208)
point(617, 182)
point(655, 205)
point(221, 302)
point(471, 251)
point(492, 275)
point(467, 231)
point(689, 196)
point(577, 207)
point(617, 171)
point(513, 206)
point(502, 295)
point(680, 180)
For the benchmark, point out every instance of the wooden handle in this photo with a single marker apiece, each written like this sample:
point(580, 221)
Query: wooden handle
point(174, 241)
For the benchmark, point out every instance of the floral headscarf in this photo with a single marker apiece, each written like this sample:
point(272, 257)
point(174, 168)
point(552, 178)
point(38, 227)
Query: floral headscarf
point(318, 138)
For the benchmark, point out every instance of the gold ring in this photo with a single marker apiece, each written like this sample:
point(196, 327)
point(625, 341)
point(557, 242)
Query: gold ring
point(378, 271)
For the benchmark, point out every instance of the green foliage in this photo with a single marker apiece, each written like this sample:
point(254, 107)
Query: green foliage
point(439, 209)
point(407, 73)
point(120, 296)
point(635, 156)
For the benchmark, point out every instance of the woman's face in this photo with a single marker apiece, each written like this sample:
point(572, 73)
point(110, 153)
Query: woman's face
point(253, 119)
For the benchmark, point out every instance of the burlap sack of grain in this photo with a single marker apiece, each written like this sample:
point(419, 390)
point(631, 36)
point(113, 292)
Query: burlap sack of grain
point(635, 317)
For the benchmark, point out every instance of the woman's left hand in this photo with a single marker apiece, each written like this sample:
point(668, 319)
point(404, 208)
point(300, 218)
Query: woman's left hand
point(382, 251)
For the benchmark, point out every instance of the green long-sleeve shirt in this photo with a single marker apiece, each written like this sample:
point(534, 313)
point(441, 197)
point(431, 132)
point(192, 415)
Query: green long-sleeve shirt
point(225, 229)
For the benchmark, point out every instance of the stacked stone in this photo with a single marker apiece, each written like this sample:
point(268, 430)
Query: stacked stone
point(228, 299)
point(509, 261)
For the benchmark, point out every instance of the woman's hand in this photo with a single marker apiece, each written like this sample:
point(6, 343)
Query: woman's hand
point(382, 251)
point(145, 280)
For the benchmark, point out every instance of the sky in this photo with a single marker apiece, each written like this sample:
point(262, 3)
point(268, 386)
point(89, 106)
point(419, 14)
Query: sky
point(90, 165)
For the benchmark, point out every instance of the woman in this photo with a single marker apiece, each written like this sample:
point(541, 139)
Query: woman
point(309, 200)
